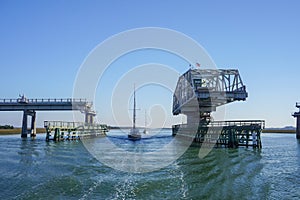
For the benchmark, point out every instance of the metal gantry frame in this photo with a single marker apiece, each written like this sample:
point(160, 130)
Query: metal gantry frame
point(211, 87)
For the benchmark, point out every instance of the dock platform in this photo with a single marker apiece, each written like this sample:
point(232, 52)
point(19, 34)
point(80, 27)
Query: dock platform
point(61, 130)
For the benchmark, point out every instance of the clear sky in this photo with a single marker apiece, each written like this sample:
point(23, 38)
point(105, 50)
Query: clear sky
point(44, 43)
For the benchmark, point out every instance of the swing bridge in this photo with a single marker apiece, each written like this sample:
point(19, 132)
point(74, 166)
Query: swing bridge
point(198, 93)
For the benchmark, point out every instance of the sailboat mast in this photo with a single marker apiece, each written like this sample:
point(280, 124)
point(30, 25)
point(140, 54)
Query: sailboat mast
point(145, 119)
point(134, 114)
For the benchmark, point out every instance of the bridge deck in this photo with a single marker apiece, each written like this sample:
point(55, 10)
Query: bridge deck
point(30, 106)
point(43, 104)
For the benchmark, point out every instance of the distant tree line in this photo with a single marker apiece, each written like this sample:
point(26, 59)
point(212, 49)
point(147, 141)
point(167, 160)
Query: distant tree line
point(6, 127)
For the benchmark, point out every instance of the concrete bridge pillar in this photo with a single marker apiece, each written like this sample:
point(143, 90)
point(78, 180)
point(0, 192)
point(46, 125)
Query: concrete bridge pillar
point(24, 124)
point(298, 127)
point(27, 113)
point(89, 117)
point(33, 124)
point(297, 116)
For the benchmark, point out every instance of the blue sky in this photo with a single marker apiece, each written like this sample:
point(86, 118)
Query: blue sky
point(44, 43)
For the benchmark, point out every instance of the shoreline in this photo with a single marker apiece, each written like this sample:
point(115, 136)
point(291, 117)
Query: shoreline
point(278, 131)
point(16, 131)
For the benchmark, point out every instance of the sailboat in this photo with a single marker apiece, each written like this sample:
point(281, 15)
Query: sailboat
point(134, 132)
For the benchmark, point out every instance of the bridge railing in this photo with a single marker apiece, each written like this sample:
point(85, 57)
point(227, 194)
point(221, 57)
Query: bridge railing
point(73, 125)
point(45, 100)
point(237, 123)
point(261, 123)
point(61, 124)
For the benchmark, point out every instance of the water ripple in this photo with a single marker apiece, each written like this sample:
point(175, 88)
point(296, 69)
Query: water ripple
point(65, 170)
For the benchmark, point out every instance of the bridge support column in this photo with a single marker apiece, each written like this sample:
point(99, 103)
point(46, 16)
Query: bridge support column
point(297, 116)
point(31, 113)
point(24, 124)
point(33, 124)
point(298, 127)
point(89, 117)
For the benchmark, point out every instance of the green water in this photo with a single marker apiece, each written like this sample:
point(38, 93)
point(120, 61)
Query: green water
point(35, 169)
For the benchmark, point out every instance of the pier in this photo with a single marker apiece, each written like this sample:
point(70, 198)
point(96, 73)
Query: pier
point(30, 106)
point(233, 134)
point(297, 115)
point(198, 93)
point(60, 130)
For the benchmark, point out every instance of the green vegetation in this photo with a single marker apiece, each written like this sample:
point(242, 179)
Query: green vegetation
point(6, 127)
